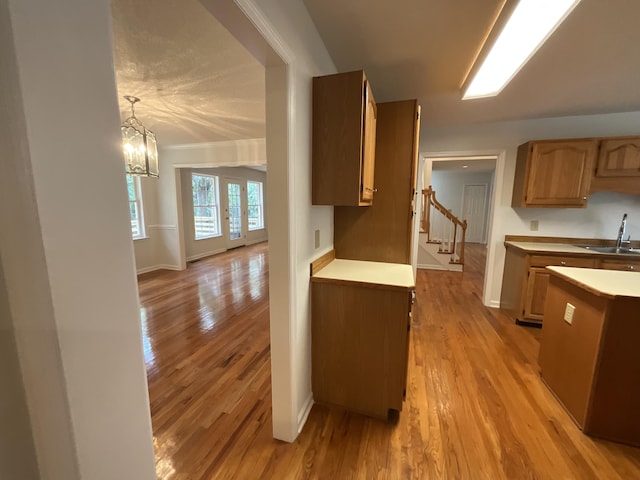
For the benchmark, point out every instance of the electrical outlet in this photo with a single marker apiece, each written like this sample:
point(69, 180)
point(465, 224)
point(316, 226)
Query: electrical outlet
point(533, 225)
point(317, 239)
point(568, 313)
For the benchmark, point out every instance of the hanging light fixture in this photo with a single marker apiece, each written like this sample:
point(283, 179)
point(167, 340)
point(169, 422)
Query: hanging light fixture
point(139, 145)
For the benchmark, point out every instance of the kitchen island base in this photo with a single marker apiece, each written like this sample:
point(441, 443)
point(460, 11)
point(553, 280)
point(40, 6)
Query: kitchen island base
point(591, 361)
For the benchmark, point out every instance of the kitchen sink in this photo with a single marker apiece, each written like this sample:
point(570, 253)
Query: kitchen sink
point(610, 249)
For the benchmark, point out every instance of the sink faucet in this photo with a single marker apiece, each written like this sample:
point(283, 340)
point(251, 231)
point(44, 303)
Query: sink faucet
point(621, 232)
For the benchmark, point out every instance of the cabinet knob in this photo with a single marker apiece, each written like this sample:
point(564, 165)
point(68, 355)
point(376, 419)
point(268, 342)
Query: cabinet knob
point(563, 263)
point(629, 267)
point(584, 198)
point(374, 190)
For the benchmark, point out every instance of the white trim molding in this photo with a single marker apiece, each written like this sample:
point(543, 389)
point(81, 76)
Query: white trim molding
point(157, 267)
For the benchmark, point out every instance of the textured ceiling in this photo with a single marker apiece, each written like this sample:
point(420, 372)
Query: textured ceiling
point(196, 82)
point(423, 49)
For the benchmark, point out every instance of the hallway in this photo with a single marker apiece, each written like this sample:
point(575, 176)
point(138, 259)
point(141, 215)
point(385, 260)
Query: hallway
point(475, 408)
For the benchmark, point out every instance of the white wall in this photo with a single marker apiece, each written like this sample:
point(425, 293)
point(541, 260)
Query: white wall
point(17, 451)
point(208, 246)
point(292, 220)
point(449, 186)
point(66, 244)
point(600, 219)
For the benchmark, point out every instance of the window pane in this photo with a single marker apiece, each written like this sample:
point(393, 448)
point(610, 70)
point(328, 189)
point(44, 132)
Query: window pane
point(206, 218)
point(255, 211)
point(131, 188)
point(135, 220)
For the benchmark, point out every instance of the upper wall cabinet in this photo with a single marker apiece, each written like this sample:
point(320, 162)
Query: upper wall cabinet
point(383, 232)
point(619, 157)
point(344, 140)
point(554, 173)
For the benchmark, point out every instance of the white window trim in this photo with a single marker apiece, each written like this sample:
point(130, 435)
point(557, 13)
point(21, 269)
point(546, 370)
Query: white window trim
point(262, 226)
point(216, 205)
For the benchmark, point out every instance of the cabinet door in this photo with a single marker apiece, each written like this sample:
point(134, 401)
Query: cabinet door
point(343, 141)
point(367, 167)
point(559, 173)
point(538, 281)
point(536, 293)
point(631, 265)
point(619, 158)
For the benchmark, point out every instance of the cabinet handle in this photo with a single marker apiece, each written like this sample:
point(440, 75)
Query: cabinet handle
point(563, 263)
point(374, 190)
point(629, 267)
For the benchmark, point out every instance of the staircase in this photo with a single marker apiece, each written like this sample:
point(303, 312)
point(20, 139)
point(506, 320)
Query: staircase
point(440, 246)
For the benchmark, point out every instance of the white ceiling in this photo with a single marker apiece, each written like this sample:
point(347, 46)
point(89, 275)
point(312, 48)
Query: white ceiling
point(423, 49)
point(198, 84)
point(468, 164)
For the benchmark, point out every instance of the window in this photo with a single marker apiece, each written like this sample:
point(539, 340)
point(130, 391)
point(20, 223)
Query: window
point(254, 204)
point(206, 210)
point(135, 207)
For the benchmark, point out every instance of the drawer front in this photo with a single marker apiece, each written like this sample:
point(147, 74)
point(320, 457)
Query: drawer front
point(551, 260)
point(628, 265)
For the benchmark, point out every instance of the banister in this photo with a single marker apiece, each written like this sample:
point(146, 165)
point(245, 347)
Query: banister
point(428, 199)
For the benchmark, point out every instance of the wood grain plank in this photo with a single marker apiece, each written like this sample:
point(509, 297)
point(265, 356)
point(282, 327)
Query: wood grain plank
point(475, 408)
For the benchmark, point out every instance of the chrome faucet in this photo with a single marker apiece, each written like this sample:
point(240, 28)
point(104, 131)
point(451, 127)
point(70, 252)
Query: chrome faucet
point(621, 232)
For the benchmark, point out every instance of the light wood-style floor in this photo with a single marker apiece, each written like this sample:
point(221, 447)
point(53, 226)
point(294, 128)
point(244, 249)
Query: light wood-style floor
point(475, 408)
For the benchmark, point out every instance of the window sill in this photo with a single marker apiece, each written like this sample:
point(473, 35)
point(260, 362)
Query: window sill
point(255, 229)
point(207, 238)
point(141, 238)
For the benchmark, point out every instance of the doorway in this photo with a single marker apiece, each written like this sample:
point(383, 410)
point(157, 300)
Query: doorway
point(451, 174)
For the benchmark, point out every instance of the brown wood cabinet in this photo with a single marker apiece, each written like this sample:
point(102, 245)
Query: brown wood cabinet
point(525, 281)
point(360, 343)
point(344, 139)
point(619, 157)
point(383, 231)
point(626, 264)
point(554, 173)
point(592, 364)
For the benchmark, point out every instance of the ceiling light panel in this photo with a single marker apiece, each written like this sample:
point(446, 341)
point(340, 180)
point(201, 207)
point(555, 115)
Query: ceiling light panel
point(530, 24)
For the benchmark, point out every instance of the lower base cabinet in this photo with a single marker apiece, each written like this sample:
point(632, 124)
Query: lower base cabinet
point(360, 346)
point(592, 364)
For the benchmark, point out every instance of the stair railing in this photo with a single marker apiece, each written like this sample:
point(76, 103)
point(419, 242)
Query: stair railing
point(430, 202)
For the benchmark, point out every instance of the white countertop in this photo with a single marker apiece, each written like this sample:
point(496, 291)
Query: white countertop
point(610, 283)
point(379, 273)
point(551, 247)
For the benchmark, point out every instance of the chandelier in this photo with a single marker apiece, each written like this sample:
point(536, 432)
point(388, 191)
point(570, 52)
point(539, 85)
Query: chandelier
point(139, 145)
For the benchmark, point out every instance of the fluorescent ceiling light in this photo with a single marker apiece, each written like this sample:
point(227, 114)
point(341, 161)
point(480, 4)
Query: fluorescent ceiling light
point(526, 24)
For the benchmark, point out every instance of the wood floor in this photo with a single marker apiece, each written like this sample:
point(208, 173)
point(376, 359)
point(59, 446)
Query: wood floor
point(475, 408)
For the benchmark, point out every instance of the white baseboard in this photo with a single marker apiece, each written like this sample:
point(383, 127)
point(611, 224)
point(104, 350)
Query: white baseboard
point(433, 267)
point(206, 254)
point(304, 413)
point(157, 267)
point(494, 304)
point(260, 240)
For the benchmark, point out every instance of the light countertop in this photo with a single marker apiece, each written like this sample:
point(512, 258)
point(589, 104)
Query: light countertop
point(376, 273)
point(607, 283)
point(551, 248)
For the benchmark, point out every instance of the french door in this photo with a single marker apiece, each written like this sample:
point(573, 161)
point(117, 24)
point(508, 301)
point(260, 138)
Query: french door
point(235, 213)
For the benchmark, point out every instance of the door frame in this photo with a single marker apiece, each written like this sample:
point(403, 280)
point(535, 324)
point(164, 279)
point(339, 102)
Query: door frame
point(494, 243)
